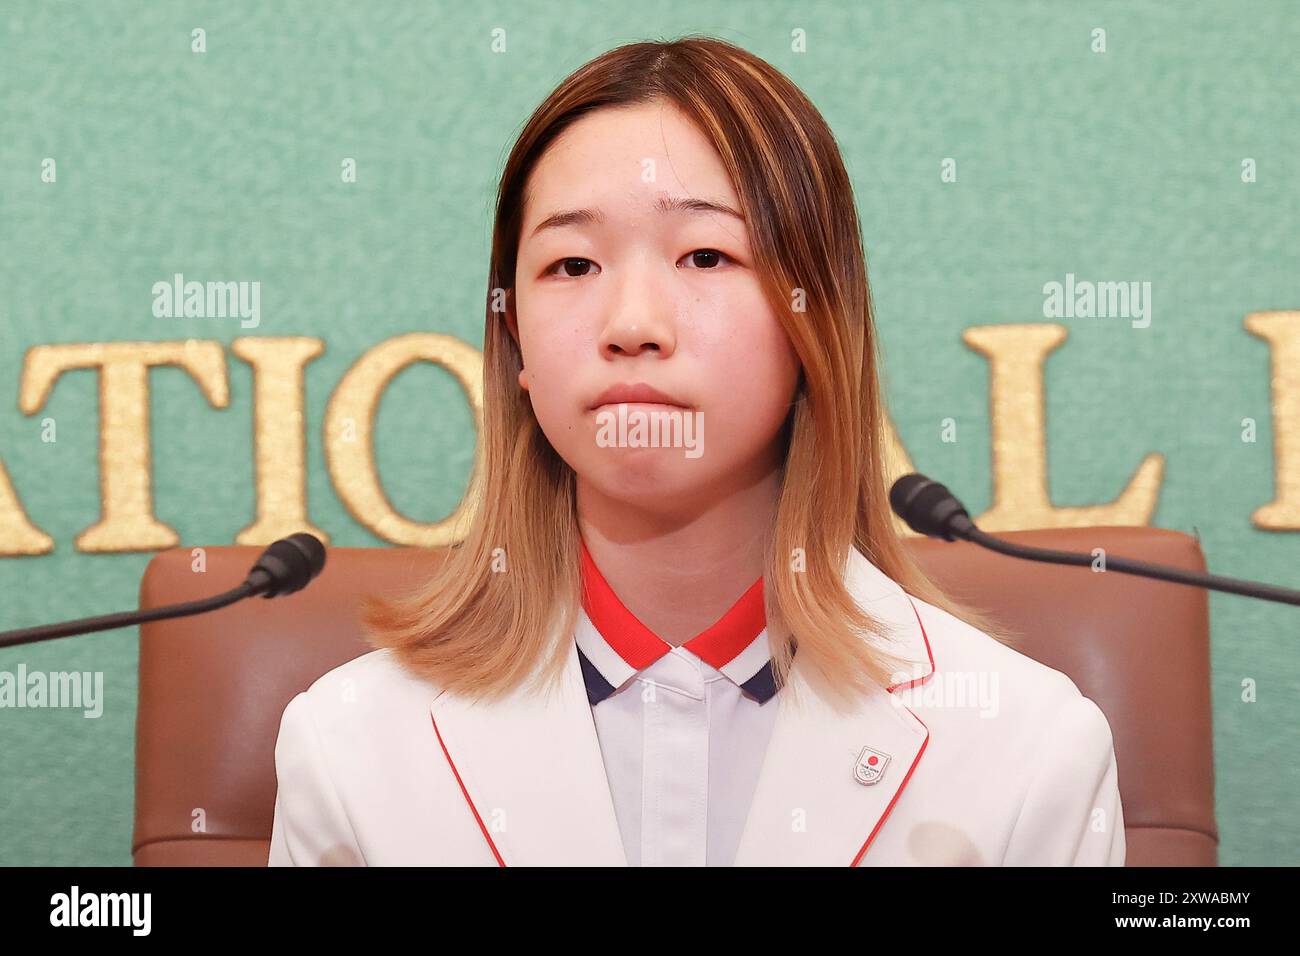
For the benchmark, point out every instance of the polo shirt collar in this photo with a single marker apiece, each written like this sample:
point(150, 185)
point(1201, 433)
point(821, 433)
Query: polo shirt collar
point(613, 644)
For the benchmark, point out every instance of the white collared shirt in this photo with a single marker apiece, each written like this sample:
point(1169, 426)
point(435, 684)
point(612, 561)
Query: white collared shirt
point(683, 746)
point(682, 741)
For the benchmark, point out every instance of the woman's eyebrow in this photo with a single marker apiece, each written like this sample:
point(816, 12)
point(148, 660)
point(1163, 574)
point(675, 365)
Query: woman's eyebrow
point(664, 204)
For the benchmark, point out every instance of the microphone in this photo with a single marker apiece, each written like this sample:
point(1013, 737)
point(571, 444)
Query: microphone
point(932, 510)
point(288, 565)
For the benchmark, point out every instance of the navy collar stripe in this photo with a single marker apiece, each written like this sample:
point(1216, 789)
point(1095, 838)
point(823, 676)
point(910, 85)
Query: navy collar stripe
point(597, 687)
point(762, 686)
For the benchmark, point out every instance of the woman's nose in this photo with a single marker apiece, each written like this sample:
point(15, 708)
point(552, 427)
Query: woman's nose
point(633, 338)
point(641, 322)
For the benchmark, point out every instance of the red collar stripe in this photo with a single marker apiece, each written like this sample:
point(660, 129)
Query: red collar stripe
point(718, 644)
point(634, 642)
point(640, 647)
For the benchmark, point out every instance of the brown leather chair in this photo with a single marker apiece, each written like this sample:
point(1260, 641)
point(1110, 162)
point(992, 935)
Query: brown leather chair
point(213, 687)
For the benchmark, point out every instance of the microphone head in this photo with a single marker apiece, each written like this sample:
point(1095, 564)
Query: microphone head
point(929, 508)
point(289, 564)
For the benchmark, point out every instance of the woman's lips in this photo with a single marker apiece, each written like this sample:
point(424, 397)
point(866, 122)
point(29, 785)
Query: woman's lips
point(637, 393)
point(639, 408)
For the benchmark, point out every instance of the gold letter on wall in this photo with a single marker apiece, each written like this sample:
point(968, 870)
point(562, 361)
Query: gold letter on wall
point(349, 426)
point(1016, 354)
point(278, 430)
point(126, 496)
point(17, 534)
point(1282, 332)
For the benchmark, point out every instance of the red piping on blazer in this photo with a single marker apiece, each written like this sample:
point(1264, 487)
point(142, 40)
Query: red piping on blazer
point(919, 680)
point(473, 808)
point(879, 823)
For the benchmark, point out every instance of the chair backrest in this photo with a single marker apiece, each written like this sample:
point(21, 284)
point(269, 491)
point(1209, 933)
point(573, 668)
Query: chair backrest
point(213, 686)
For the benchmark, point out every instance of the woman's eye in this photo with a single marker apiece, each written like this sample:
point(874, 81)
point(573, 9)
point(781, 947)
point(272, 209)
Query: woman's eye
point(576, 267)
point(573, 267)
point(707, 258)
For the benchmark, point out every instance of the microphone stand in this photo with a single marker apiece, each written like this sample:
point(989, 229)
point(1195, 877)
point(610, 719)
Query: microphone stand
point(929, 508)
point(286, 566)
point(1213, 582)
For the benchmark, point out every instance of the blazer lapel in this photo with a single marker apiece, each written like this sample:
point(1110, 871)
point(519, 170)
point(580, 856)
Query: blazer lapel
point(531, 771)
point(809, 807)
point(532, 774)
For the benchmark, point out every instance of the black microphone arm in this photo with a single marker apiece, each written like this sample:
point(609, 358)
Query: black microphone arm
point(932, 510)
point(288, 565)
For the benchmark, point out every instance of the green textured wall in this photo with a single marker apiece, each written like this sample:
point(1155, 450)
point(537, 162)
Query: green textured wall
point(225, 165)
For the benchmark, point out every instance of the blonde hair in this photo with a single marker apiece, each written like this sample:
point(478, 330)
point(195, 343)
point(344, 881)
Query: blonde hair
point(479, 633)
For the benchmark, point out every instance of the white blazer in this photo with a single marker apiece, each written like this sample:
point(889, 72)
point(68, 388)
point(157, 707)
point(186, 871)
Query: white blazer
point(983, 756)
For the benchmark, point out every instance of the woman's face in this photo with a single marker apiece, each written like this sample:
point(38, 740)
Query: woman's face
point(611, 291)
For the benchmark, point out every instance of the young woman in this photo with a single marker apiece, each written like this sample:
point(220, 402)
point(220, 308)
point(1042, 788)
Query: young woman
point(681, 628)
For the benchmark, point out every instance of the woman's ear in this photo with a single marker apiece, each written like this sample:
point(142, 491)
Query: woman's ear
point(512, 326)
point(511, 320)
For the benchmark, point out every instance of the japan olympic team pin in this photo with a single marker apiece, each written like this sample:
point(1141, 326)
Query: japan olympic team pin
point(870, 766)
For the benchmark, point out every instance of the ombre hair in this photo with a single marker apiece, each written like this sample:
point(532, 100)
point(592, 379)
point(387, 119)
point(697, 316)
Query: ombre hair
point(476, 631)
